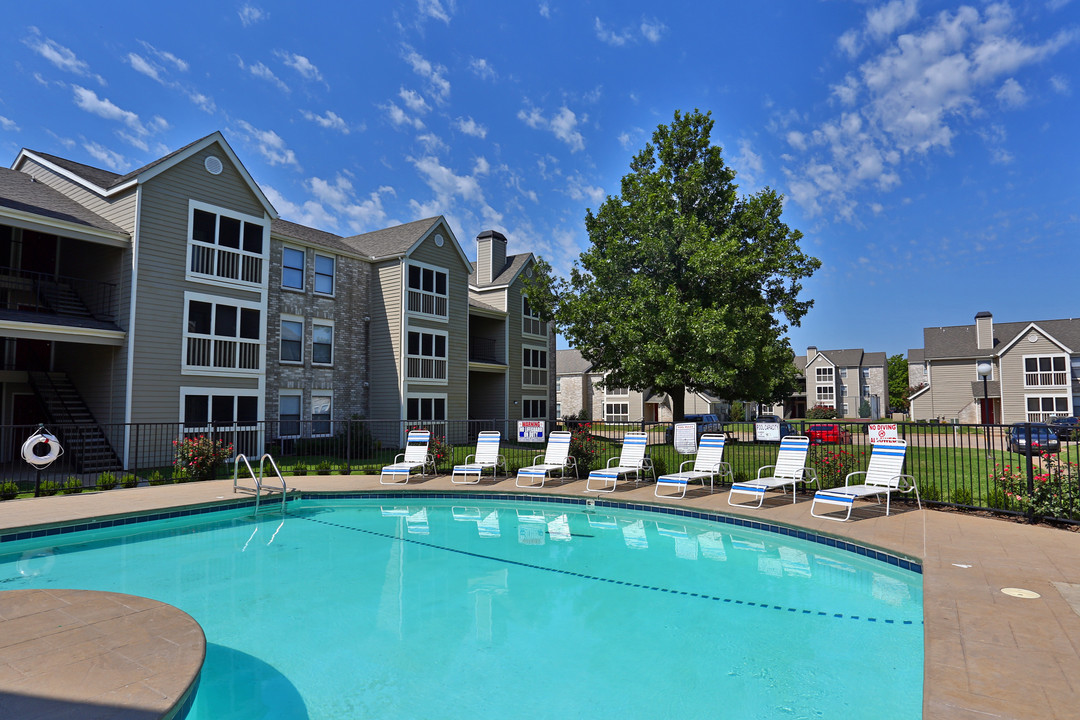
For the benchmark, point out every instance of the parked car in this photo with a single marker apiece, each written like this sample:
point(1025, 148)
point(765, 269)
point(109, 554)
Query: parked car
point(821, 433)
point(1043, 439)
point(706, 423)
point(1065, 427)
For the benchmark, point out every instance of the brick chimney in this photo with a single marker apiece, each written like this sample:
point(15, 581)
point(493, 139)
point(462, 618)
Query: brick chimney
point(490, 256)
point(984, 331)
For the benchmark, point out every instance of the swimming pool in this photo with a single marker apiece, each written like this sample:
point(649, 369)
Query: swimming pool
point(417, 607)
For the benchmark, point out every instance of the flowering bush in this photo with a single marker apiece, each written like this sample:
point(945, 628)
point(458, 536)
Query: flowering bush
point(832, 465)
point(821, 412)
point(439, 450)
point(198, 458)
point(584, 447)
point(1056, 494)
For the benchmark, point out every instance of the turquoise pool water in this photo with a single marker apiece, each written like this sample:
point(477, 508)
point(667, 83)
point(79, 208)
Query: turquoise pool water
point(496, 609)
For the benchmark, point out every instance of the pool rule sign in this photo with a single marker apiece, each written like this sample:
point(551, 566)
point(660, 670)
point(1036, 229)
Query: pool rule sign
point(531, 431)
point(882, 433)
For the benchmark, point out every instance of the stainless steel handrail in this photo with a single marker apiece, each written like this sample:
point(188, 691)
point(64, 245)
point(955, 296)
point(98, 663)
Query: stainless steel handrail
point(259, 479)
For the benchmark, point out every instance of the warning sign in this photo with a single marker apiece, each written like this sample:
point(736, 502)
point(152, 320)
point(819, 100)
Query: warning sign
point(882, 433)
point(531, 431)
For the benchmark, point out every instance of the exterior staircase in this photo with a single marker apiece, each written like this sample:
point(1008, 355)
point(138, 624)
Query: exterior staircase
point(73, 422)
point(62, 299)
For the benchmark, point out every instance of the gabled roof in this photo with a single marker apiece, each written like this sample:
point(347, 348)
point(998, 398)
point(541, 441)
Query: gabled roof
point(310, 236)
point(959, 341)
point(570, 362)
point(20, 192)
point(105, 183)
point(513, 267)
point(401, 240)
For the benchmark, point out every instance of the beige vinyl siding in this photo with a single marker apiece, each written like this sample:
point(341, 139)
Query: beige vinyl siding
point(515, 342)
point(386, 346)
point(119, 209)
point(494, 298)
point(922, 407)
point(163, 241)
point(950, 385)
point(1011, 365)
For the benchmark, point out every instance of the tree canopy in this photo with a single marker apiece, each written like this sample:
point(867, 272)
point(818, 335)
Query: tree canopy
point(898, 382)
point(686, 285)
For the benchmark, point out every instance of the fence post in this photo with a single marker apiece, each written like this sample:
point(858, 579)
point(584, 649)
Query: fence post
point(348, 445)
point(1030, 471)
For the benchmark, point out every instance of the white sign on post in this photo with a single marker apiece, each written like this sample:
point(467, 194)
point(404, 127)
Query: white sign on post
point(882, 433)
point(531, 431)
point(767, 431)
point(686, 438)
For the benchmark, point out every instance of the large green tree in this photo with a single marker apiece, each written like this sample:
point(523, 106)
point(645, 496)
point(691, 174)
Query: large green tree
point(898, 382)
point(686, 285)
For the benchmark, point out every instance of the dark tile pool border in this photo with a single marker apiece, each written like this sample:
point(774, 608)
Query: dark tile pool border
point(882, 556)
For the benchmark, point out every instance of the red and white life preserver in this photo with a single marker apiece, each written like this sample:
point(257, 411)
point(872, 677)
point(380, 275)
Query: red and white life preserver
point(32, 447)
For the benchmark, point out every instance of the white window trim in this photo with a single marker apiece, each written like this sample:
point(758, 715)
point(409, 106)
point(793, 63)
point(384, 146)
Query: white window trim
point(304, 273)
point(422, 396)
point(216, 300)
point(1067, 371)
point(186, 390)
point(607, 417)
point(215, 280)
point(333, 278)
point(546, 369)
point(300, 419)
point(526, 316)
point(405, 286)
point(431, 331)
point(1067, 395)
point(330, 420)
point(535, 398)
point(333, 341)
point(303, 330)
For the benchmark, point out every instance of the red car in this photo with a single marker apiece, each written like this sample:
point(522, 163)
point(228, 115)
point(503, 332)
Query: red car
point(827, 433)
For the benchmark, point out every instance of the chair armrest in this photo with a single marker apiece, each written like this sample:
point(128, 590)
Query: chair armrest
point(684, 463)
point(911, 485)
point(764, 467)
point(812, 472)
point(469, 458)
point(536, 459)
point(847, 480)
point(614, 460)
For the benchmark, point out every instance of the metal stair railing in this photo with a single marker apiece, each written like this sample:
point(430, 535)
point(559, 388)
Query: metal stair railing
point(257, 490)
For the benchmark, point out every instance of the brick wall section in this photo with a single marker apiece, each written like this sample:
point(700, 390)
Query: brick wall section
point(347, 308)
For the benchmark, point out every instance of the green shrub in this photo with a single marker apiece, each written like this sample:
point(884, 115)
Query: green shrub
point(995, 498)
point(821, 412)
point(962, 496)
point(129, 480)
point(864, 409)
point(324, 467)
point(106, 481)
point(72, 486)
point(8, 490)
point(198, 458)
point(299, 469)
point(659, 465)
point(156, 478)
point(49, 488)
point(930, 493)
point(1055, 488)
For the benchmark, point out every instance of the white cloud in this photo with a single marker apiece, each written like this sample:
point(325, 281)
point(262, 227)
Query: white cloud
point(8, 124)
point(300, 64)
point(850, 43)
point(610, 36)
point(1056, 5)
point(361, 215)
point(579, 189)
point(432, 143)
point(1060, 84)
point(89, 101)
point(562, 124)
point(165, 56)
point(1011, 94)
point(269, 144)
point(331, 121)
point(846, 92)
point(482, 69)
point(471, 127)
point(141, 65)
point(261, 71)
point(159, 73)
point(249, 15)
point(308, 213)
point(414, 101)
point(892, 16)
point(434, 9)
point(399, 117)
point(60, 56)
point(449, 188)
point(545, 10)
point(748, 165)
point(109, 158)
point(432, 72)
point(653, 30)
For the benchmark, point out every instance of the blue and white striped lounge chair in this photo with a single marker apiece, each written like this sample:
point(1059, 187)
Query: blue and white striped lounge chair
point(790, 468)
point(556, 459)
point(486, 457)
point(708, 464)
point(882, 476)
point(415, 456)
point(631, 461)
point(634, 535)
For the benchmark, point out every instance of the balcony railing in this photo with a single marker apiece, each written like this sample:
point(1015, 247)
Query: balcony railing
point(225, 263)
point(485, 350)
point(1044, 379)
point(217, 353)
point(57, 294)
point(420, 368)
point(426, 303)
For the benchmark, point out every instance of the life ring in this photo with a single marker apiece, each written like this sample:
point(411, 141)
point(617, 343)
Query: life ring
point(31, 447)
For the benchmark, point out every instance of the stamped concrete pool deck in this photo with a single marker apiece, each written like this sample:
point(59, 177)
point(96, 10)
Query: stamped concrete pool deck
point(987, 654)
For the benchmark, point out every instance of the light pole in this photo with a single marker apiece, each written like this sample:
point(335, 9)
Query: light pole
point(984, 368)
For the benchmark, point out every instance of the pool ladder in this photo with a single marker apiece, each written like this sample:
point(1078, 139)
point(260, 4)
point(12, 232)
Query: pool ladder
point(257, 490)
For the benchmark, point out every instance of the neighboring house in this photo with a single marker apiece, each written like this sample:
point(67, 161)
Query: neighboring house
point(840, 379)
point(1035, 371)
point(579, 388)
point(173, 294)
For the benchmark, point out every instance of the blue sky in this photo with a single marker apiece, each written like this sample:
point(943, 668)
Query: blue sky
point(927, 150)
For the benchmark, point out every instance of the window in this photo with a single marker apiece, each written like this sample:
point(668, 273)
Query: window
point(324, 274)
point(843, 390)
point(531, 324)
point(227, 416)
point(843, 372)
point(425, 407)
point(1041, 409)
point(321, 402)
point(864, 391)
point(221, 335)
point(292, 268)
point(1045, 370)
point(826, 395)
point(824, 374)
point(533, 366)
point(618, 392)
point(289, 415)
point(866, 373)
point(426, 355)
point(533, 409)
point(322, 343)
point(427, 291)
point(292, 340)
point(617, 412)
point(558, 385)
point(558, 410)
point(225, 246)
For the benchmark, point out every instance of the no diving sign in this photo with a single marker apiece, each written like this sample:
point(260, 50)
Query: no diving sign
point(882, 433)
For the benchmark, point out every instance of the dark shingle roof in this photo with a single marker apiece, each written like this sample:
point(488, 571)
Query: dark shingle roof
point(570, 362)
point(513, 266)
point(310, 236)
point(20, 191)
point(390, 241)
point(915, 355)
point(959, 341)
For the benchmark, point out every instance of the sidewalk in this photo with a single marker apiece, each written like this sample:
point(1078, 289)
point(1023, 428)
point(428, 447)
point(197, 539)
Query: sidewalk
point(988, 655)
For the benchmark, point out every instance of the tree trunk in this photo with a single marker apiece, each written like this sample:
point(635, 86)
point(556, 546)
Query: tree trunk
point(678, 402)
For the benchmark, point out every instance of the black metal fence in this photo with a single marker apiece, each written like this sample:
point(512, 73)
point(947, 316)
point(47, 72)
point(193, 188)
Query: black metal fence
point(970, 466)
